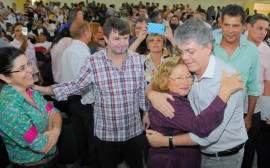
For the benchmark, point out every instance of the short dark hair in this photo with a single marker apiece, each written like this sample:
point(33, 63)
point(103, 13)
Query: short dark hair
point(141, 19)
point(17, 24)
point(253, 19)
point(154, 16)
point(135, 7)
point(117, 25)
point(234, 10)
point(7, 57)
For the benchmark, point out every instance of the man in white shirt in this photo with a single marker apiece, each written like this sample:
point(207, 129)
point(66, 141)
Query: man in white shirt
point(257, 30)
point(80, 106)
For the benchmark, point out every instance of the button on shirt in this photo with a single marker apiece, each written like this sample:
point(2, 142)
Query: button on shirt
point(231, 131)
point(118, 94)
point(73, 59)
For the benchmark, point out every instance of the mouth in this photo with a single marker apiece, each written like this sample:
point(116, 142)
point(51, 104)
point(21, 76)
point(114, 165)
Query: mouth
point(184, 88)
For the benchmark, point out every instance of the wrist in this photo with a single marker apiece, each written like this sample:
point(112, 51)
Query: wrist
point(146, 114)
point(58, 128)
point(171, 145)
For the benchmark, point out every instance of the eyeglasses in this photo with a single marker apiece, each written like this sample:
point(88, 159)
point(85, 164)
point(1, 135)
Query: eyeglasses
point(23, 67)
point(189, 78)
point(189, 51)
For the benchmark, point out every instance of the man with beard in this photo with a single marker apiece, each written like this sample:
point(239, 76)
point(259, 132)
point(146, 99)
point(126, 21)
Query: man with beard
point(118, 81)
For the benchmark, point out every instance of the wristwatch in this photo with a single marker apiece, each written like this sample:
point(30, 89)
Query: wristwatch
point(171, 146)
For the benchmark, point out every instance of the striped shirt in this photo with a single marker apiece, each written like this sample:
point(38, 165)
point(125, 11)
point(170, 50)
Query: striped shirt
point(232, 131)
point(118, 94)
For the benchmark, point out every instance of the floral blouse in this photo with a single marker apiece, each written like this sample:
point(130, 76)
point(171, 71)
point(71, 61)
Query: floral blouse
point(149, 68)
point(22, 125)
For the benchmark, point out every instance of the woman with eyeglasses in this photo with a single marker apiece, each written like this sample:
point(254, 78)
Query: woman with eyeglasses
point(174, 78)
point(29, 125)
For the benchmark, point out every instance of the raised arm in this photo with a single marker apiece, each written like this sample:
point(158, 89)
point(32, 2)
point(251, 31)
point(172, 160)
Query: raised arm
point(142, 35)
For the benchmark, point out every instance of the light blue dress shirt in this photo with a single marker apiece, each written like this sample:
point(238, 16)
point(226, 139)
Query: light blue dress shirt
point(231, 131)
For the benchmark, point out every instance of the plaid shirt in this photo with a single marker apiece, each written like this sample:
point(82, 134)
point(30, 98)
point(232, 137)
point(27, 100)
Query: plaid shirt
point(118, 94)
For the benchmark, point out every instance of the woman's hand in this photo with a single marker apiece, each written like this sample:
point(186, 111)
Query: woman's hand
point(52, 136)
point(168, 33)
point(156, 139)
point(51, 115)
point(146, 122)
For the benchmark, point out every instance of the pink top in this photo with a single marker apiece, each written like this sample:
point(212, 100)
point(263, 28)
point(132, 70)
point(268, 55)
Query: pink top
point(264, 61)
point(56, 54)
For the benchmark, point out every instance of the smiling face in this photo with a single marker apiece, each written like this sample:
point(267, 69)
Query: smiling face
point(117, 44)
point(18, 32)
point(180, 80)
point(232, 28)
point(22, 76)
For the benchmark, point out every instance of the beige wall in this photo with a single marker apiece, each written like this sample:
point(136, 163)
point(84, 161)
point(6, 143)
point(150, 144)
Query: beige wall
point(193, 3)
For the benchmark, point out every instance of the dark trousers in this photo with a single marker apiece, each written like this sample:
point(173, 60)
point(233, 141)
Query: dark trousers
point(83, 125)
point(110, 152)
point(264, 146)
point(251, 144)
point(4, 161)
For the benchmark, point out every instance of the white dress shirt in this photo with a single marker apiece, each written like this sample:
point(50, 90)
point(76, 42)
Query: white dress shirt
point(73, 59)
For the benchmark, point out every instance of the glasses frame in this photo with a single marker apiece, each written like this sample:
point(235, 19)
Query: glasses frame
point(21, 69)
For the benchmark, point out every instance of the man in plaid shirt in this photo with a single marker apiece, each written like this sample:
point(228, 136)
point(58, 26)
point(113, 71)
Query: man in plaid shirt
point(118, 80)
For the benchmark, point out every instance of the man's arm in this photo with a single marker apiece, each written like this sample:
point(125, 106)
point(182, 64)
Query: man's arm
point(253, 90)
point(252, 100)
point(142, 35)
point(266, 88)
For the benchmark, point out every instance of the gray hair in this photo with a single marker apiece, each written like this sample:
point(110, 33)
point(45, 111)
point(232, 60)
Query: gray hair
point(193, 29)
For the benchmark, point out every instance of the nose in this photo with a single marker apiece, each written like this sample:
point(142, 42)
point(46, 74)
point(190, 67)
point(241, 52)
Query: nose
point(185, 56)
point(184, 81)
point(29, 69)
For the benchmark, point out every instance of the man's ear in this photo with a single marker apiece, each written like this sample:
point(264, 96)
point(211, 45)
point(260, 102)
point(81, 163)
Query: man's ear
point(5, 78)
point(249, 27)
point(209, 47)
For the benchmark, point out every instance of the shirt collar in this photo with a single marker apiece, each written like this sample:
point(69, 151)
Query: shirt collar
point(210, 70)
point(243, 41)
point(8, 90)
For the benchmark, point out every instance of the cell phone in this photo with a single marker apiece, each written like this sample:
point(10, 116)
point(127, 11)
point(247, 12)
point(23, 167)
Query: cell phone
point(24, 31)
point(156, 28)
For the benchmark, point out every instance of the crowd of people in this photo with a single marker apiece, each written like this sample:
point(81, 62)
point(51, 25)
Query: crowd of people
point(189, 97)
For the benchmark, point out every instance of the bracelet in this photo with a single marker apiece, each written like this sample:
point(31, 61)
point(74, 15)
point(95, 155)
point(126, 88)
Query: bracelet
point(171, 146)
point(146, 114)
